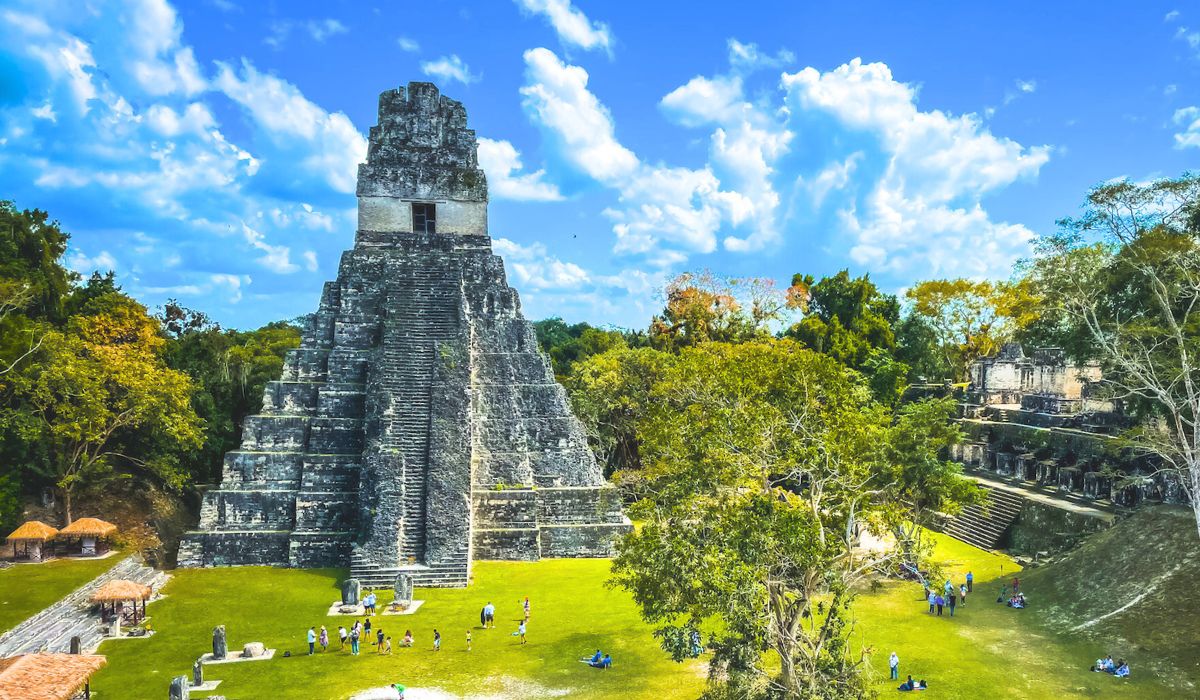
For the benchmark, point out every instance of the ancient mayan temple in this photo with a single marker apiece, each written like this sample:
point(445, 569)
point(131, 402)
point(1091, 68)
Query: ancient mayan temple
point(418, 427)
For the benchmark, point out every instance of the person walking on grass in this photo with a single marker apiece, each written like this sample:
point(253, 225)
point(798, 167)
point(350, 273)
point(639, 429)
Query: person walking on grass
point(970, 582)
point(379, 637)
point(526, 606)
point(468, 640)
point(437, 640)
point(312, 640)
point(323, 638)
point(940, 601)
point(932, 601)
point(342, 634)
point(962, 597)
point(367, 629)
point(386, 647)
point(894, 664)
point(953, 602)
point(520, 631)
point(354, 639)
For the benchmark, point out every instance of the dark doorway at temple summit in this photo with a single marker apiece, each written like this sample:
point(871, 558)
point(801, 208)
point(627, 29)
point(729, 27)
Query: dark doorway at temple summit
point(418, 427)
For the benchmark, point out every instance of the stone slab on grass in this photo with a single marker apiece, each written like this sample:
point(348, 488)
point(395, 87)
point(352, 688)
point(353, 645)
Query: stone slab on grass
point(412, 608)
point(236, 658)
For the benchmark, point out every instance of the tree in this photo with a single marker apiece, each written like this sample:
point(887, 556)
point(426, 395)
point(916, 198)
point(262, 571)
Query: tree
point(757, 463)
point(610, 392)
point(1120, 284)
point(702, 307)
point(568, 345)
point(91, 387)
point(971, 319)
point(851, 321)
point(918, 482)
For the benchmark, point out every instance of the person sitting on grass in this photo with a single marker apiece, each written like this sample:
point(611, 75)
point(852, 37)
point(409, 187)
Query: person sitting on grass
point(408, 639)
point(595, 658)
point(606, 663)
point(1106, 665)
point(1122, 669)
point(907, 685)
point(1017, 601)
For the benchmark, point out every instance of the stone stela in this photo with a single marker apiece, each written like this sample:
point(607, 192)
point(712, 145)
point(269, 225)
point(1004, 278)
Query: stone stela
point(418, 427)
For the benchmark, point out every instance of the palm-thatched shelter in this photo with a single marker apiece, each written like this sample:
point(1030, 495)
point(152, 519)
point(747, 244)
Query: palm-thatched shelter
point(48, 676)
point(114, 594)
point(91, 533)
point(29, 540)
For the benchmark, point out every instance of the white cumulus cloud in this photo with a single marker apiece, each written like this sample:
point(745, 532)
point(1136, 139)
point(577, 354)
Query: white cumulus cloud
point(449, 68)
point(501, 162)
point(1189, 119)
point(572, 26)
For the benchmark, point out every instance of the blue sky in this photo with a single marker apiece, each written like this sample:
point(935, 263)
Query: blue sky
point(206, 150)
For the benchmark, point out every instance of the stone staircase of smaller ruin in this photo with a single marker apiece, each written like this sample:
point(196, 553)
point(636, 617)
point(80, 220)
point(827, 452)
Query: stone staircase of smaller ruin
point(73, 616)
point(452, 574)
point(986, 530)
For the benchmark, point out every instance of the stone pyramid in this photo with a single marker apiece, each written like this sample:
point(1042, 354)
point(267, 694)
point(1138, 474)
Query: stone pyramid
point(418, 427)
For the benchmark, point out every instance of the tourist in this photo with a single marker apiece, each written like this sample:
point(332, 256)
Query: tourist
point(342, 634)
point(941, 602)
point(323, 638)
point(367, 629)
point(970, 582)
point(1105, 665)
point(962, 595)
point(595, 658)
point(386, 647)
point(697, 647)
point(489, 615)
point(605, 663)
point(354, 638)
point(953, 602)
point(948, 586)
point(437, 640)
point(369, 604)
point(1122, 669)
point(1016, 585)
point(468, 640)
point(907, 685)
point(408, 639)
point(894, 664)
point(520, 631)
point(379, 637)
point(483, 617)
point(932, 601)
point(312, 640)
point(526, 606)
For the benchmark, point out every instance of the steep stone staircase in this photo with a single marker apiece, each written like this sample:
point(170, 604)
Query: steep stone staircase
point(986, 529)
point(73, 616)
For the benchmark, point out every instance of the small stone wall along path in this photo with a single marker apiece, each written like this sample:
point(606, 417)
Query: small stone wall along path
point(52, 628)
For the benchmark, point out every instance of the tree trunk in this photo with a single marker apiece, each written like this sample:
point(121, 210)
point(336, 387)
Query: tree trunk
point(66, 506)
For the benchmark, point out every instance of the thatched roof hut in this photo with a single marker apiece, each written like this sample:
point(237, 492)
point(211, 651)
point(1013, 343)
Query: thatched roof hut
point(47, 676)
point(120, 590)
point(88, 527)
point(34, 530)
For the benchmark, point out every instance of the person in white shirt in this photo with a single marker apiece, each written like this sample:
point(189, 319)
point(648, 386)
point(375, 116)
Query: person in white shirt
point(894, 664)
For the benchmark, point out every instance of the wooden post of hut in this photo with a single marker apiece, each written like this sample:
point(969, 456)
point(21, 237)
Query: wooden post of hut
point(91, 533)
point(29, 540)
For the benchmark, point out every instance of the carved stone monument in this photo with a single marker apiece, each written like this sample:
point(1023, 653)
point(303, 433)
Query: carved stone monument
point(418, 388)
point(404, 589)
point(197, 673)
point(179, 688)
point(219, 646)
point(351, 591)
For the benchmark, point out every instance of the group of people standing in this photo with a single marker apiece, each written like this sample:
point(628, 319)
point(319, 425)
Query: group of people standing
point(949, 597)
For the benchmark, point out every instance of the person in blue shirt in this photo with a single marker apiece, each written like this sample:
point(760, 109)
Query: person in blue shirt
point(596, 657)
point(606, 663)
point(970, 582)
point(312, 640)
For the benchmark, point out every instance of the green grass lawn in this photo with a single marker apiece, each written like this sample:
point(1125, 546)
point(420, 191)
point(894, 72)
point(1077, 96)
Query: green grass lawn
point(573, 615)
point(27, 588)
point(985, 651)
